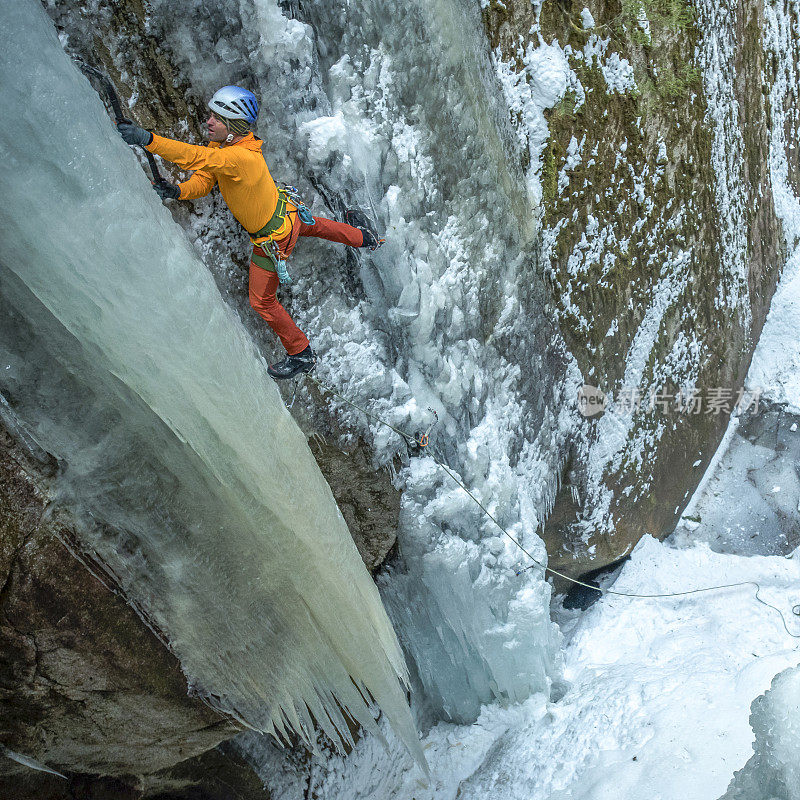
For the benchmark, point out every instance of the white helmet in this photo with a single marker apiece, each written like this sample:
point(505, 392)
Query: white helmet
point(233, 102)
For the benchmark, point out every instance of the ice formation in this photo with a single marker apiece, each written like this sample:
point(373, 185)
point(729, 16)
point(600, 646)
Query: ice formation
point(198, 488)
point(387, 108)
point(391, 111)
point(659, 691)
point(657, 703)
point(774, 770)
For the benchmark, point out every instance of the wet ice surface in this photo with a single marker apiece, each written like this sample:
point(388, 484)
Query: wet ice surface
point(751, 503)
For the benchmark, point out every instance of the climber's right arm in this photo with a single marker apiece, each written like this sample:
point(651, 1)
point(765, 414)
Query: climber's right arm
point(204, 160)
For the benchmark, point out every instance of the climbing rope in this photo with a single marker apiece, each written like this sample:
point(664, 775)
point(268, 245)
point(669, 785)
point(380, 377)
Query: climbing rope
point(422, 441)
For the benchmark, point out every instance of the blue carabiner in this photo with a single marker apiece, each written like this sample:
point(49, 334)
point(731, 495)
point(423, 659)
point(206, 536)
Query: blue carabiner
point(305, 215)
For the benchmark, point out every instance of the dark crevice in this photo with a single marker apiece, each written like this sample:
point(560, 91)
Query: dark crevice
point(582, 597)
point(5, 590)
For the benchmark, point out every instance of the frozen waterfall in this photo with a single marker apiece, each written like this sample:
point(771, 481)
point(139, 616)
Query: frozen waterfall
point(196, 487)
point(396, 107)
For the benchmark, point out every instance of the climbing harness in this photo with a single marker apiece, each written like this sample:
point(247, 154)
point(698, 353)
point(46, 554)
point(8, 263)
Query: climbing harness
point(269, 257)
point(273, 253)
point(293, 193)
point(420, 443)
point(113, 98)
point(277, 219)
point(269, 247)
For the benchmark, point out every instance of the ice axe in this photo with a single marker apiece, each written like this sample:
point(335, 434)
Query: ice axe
point(113, 98)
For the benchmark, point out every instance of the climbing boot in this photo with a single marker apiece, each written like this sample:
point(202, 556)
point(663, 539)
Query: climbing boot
point(358, 219)
point(303, 361)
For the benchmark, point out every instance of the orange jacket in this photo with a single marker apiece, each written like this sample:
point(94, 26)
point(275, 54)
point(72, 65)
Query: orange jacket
point(239, 169)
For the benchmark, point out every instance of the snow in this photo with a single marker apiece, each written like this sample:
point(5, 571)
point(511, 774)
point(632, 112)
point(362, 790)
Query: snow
point(528, 93)
point(574, 155)
point(197, 488)
point(617, 71)
point(614, 428)
point(756, 464)
point(717, 22)
point(618, 74)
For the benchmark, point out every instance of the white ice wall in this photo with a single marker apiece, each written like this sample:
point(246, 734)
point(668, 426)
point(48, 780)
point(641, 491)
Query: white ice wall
point(274, 611)
point(774, 770)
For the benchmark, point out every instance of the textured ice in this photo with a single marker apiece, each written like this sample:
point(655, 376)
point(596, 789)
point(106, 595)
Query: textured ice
point(773, 773)
point(395, 107)
point(527, 93)
point(195, 485)
point(657, 703)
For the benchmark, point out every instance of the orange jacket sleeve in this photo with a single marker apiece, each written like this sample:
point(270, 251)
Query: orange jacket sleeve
point(212, 160)
point(198, 185)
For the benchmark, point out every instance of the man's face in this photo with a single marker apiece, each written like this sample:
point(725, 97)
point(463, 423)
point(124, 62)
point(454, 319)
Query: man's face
point(217, 131)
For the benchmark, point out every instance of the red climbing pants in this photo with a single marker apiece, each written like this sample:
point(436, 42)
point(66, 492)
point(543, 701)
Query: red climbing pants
point(264, 283)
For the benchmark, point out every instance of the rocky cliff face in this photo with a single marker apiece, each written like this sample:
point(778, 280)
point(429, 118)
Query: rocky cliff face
point(86, 687)
point(661, 242)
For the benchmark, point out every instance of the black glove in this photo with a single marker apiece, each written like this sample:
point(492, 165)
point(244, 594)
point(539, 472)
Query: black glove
point(167, 191)
point(133, 134)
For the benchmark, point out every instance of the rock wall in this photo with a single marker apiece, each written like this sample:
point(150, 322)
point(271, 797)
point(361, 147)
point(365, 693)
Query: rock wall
point(86, 688)
point(661, 242)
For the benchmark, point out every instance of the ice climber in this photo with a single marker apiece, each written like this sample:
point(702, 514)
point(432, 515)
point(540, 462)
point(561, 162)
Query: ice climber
point(273, 218)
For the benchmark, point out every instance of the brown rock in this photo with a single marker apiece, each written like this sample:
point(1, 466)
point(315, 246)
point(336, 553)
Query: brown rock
point(85, 686)
point(602, 302)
